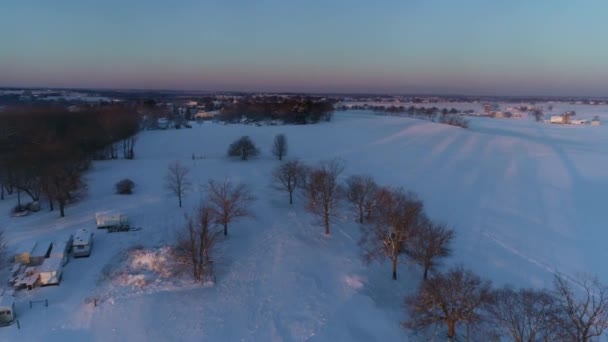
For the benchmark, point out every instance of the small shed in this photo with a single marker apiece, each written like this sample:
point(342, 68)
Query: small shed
point(7, 308)
point(24, 253)
point(51, 271)
point(41, 252)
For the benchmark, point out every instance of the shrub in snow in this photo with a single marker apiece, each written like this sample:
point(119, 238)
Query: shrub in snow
point(125, 187)
point(455, 120)
point(243, 148)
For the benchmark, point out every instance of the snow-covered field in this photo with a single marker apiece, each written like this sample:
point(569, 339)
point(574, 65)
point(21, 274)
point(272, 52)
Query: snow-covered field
point(525, 198)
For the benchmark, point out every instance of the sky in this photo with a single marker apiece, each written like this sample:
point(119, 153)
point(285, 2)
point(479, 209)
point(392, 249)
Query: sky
point(484, 47)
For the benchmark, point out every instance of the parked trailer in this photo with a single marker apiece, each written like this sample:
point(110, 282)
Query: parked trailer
point(51, 271)
point(83, 243)
point(112, 221)
point(7, 308)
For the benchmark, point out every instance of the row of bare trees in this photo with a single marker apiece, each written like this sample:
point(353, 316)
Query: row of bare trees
point(463, 302)
point(224, 203)
point(393, 221)
point(395, 226)
point(45, 150)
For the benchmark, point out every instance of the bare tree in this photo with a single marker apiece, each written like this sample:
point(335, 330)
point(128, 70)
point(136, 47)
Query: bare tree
point(393, 226)
point(524, 315)
point(63, 183)
point(229, 201)
point(177, 180)
point(197, 242)
point(360, 191)
point(289, 176)
point(323, 192)
point(454, 298)
point(429, 243)
point(583, 310)
point(243, 148)
point(279, 147)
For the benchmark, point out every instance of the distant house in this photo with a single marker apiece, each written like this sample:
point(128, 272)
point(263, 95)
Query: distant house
point(557, 119)
point(595, 121)
point(497, 114)
point(202, 114)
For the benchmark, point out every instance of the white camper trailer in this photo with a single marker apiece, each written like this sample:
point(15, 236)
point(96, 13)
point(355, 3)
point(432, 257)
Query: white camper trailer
point(558, 119)
point(83, 243)
point(51, 271)
point(112, 221)
point(7, 308)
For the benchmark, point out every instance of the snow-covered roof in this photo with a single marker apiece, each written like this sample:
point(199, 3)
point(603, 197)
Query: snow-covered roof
point(50, 265)
point(82, 237)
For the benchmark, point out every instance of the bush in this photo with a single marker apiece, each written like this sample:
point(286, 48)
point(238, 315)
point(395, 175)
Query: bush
point(455, 120)
point(125, 187)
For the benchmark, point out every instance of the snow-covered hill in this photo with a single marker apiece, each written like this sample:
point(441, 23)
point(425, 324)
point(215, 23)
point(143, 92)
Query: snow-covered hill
point(525, 199)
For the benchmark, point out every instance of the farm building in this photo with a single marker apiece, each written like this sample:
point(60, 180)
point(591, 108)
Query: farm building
point(580, 122)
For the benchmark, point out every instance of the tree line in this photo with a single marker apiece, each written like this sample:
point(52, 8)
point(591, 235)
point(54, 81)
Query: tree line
point(44, 150)
point(292, 110)
point(434, 114)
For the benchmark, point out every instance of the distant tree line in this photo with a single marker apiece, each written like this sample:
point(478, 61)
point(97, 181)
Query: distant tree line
point(445, 116)
point(44, 150)
point(292, 110)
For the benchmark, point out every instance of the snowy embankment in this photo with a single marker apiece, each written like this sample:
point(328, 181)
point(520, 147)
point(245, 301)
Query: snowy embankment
point(524, 198)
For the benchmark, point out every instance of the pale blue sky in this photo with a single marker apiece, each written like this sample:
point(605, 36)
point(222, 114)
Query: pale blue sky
point(514, 47)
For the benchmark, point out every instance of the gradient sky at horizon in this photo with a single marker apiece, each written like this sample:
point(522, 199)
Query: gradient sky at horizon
point(515, 47)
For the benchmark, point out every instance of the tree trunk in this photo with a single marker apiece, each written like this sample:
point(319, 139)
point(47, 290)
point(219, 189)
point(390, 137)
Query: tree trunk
point(361, 215)
point(179, 197)
point(326, 224)
point(51, 206)
point(19, 197)
point(426, 272)
point(451, 330)
point(1, 191)
point(61, 209)
point(291, 197)
point(225, 229)
point(394, 268)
